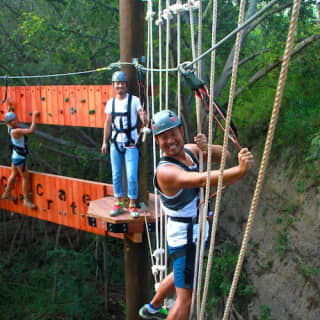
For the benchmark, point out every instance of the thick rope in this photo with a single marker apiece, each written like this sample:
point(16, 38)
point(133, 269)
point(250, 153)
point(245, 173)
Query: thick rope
point(167, 56)
point(163, 259)
point(223, 157)
point(196, 293)
point(179, 57)
point(266, 153)
point(154, 257)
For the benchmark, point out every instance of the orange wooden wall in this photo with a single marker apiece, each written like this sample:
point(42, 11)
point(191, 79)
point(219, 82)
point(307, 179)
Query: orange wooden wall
point(81, 105)
point(59, 199)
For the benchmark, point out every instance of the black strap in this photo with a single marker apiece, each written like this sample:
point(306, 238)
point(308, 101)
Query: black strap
point(22, 151)
point(121, 129)
point(185, 167)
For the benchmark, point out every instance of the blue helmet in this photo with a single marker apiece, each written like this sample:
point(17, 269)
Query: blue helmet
point(119, 76)
point(9, 116)
point(163, 121)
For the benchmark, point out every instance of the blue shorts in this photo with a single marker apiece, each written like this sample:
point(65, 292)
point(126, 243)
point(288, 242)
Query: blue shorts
point(19, 162)
point(179, 267)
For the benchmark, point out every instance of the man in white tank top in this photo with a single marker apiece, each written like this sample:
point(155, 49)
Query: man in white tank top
point(178, 180)
point(18, 156)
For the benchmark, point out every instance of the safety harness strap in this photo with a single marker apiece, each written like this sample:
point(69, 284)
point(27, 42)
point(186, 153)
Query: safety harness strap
point(127, 131)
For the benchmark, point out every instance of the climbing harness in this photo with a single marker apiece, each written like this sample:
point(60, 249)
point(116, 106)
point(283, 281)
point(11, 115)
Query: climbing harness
point(130, 143)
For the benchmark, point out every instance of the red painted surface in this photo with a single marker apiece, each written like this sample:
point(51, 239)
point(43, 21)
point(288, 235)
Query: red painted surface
point(59, 199)
point(81, 105)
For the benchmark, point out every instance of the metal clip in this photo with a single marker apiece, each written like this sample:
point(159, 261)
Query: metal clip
point(189, 75)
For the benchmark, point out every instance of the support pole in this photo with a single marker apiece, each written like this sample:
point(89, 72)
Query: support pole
point(137, 263)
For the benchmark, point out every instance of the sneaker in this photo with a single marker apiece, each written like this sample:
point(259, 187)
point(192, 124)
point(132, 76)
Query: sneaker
point(8, 196)
point(133, 212)
point(29, 204)
point(117, 209)
point(144, 313)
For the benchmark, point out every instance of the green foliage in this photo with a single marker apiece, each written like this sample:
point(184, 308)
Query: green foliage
point(286, 219)
point(223, 266)
point(314, 151)
point(27, 281)
point(308, 272)
point(282, 247)
point(265, 313)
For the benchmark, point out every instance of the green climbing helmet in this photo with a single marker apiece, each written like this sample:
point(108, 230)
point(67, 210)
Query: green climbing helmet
point(163, 121)
point(9, 116)
point(119, 76)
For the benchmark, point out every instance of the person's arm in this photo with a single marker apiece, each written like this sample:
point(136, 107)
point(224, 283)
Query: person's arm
point(201, 144)
point(142, 116)
point(19, 132)
point(172, 178)
point(106, 133)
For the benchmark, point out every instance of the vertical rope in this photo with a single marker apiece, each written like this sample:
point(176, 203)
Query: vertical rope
point(193, 46)
point(223, 158)
point(167, 55)
point(266, 153)
point(163, 262)
point(179, 57)
point(149, 18)
point(198, 108)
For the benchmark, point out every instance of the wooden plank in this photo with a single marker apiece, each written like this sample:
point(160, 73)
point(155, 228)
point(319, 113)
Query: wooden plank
point(44, 104)
point(66, 105)
point(85, 106)
point(60, 111)
point(28, 100)
point(73, 109)
point(92, 106)
point(98, 98)
point(54, 119)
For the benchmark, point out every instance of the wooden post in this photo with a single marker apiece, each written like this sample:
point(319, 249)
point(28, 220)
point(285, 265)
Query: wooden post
point(137, 263)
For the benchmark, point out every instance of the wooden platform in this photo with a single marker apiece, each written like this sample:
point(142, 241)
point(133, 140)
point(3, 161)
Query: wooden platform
point(122, 225)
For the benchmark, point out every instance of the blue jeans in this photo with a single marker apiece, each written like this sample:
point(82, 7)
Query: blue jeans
point(131, 159)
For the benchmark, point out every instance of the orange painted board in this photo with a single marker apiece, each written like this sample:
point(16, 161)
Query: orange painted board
point(84, 106)
point(39, 196)
point(92, 106)
point(54, 119)
point(66, 105)
point(60, 201)
point(21, 107)
point(98, 99)
point(75, 204)
point(44, 107)
point(81, 105)
point(54, 196)
point(51, 198)
point(28, 99)
point(60, 111)
point(73, 109)
point(105, 96)
point(83, 199)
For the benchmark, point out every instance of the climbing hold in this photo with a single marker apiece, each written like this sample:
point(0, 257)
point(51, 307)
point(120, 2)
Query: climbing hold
point(11, 109)
point(92, 111)
point(43, 98)
point(50, 114)
point(73, 110)
point(83, 100)
point(66, 99)
point(61, 111)
point(30, 113)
